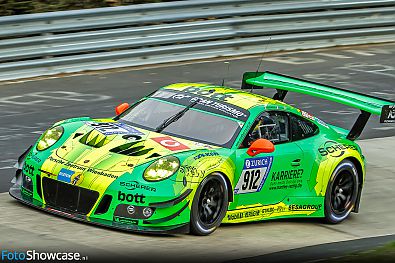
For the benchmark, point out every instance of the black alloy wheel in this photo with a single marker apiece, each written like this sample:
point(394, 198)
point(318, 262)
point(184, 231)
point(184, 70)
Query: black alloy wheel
point(209, 205)
point(341, 193)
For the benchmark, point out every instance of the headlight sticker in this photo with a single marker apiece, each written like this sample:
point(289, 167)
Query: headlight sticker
point(49, 138)
point(161, 169)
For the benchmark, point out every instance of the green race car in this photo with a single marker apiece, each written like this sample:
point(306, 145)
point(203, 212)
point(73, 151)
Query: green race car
point(190, 156)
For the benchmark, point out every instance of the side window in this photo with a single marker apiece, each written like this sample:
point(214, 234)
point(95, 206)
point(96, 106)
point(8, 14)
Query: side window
point(273, 126)
point(302, 128)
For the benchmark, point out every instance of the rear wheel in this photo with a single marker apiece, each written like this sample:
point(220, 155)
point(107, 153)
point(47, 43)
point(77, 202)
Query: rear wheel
point(209, 205)
point(341, 193)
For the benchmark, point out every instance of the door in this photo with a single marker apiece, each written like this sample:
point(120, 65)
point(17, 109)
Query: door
point(264, 178)
point(305, 135)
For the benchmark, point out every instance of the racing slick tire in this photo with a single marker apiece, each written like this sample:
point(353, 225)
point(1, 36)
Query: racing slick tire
point(341, 193)
point(209, 205)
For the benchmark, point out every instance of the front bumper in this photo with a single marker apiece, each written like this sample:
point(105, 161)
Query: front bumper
point(15, 192)
point(106, 207)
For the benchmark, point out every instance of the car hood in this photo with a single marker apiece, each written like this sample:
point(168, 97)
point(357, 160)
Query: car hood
point(113, 146)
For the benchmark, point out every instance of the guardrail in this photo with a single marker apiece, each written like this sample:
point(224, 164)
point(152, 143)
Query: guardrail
point(103, 38)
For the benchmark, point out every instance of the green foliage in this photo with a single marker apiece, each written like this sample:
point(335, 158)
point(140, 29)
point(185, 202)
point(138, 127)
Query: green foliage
point(381, 254)
point(19, 7)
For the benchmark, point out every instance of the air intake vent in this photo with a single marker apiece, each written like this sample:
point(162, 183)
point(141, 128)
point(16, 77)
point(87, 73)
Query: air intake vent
point(104, 205)
point(132, 149)
point(67, 197)
point(38, 186)
point(94, 139)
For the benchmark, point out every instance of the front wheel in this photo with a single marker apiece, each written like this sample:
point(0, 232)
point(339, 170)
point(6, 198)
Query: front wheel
point(209, 205)
point(341, 193)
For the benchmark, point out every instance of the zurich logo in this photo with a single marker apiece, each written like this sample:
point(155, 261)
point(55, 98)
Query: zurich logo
point(248, 164)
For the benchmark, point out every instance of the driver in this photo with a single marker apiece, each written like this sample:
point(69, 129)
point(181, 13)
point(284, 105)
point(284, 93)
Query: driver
point(264, 128)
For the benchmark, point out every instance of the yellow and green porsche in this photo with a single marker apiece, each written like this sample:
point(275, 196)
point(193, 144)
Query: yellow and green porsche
point(189, 157)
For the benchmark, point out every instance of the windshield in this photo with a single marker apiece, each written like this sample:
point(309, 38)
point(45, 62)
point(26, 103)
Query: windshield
point(193, 124)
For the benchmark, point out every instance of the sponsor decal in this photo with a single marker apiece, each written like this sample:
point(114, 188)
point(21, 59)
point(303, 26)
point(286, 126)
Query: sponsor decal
point(133, 185)
point(229, 110)
point(90, 170)
point(125, 220)
point(67, 163)
point(130, 209)
point(305, 207)
point(322, 122)
point(286, 185)
point(33, 157)
point(190, 171)
point(282, 180)
point(260, 212)
point(75, 166)
point(131, 198)
point(335, 149)
point(388, 114)
point(201, 155)
point(77, 179)
point(199, 144)
point(287, 175)
point(254, 175)
point(215, 102)
point(59, 161)
point(111, 128)
point(28, 169)
point(269, 211)
point(65, 175)
point(81, 168)
point(307, 115)
point(170, 143)
point(252, 213)
point(311, 117)
point(26, 192)
point(209, 93)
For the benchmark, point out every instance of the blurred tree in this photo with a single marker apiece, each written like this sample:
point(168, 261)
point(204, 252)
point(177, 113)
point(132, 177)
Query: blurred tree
point(18, 7)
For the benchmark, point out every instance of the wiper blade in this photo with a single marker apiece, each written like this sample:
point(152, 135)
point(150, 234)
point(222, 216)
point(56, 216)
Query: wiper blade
point(176, 116)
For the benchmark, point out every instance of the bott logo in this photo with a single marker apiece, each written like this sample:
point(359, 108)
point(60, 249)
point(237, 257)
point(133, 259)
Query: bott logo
point(136, 198)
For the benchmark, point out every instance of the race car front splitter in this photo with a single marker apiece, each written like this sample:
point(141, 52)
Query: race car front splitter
point(18, 192)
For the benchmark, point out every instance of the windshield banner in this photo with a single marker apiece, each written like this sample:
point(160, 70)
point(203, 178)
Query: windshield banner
point(206, 104)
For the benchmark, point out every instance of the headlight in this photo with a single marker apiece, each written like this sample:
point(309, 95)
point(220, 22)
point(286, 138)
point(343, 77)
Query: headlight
point(161, 169)
point(49, 138)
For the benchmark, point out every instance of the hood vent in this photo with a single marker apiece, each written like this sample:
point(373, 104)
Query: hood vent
point(132, 149)
point(94, 139)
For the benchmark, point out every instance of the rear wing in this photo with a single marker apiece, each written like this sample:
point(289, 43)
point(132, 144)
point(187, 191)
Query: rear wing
point(367, 104)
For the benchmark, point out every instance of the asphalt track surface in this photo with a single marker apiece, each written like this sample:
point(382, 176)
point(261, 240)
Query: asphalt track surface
point(321, 252)
point(28, 108)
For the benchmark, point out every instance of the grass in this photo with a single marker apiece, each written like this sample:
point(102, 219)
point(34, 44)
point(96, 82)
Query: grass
point(384, 254)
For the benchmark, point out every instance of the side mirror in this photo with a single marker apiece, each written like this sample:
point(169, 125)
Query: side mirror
point(121, 108)
point(260, 146)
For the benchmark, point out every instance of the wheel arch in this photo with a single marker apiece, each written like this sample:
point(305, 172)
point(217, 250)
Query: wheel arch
point(360, 171)
point(228, 184)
